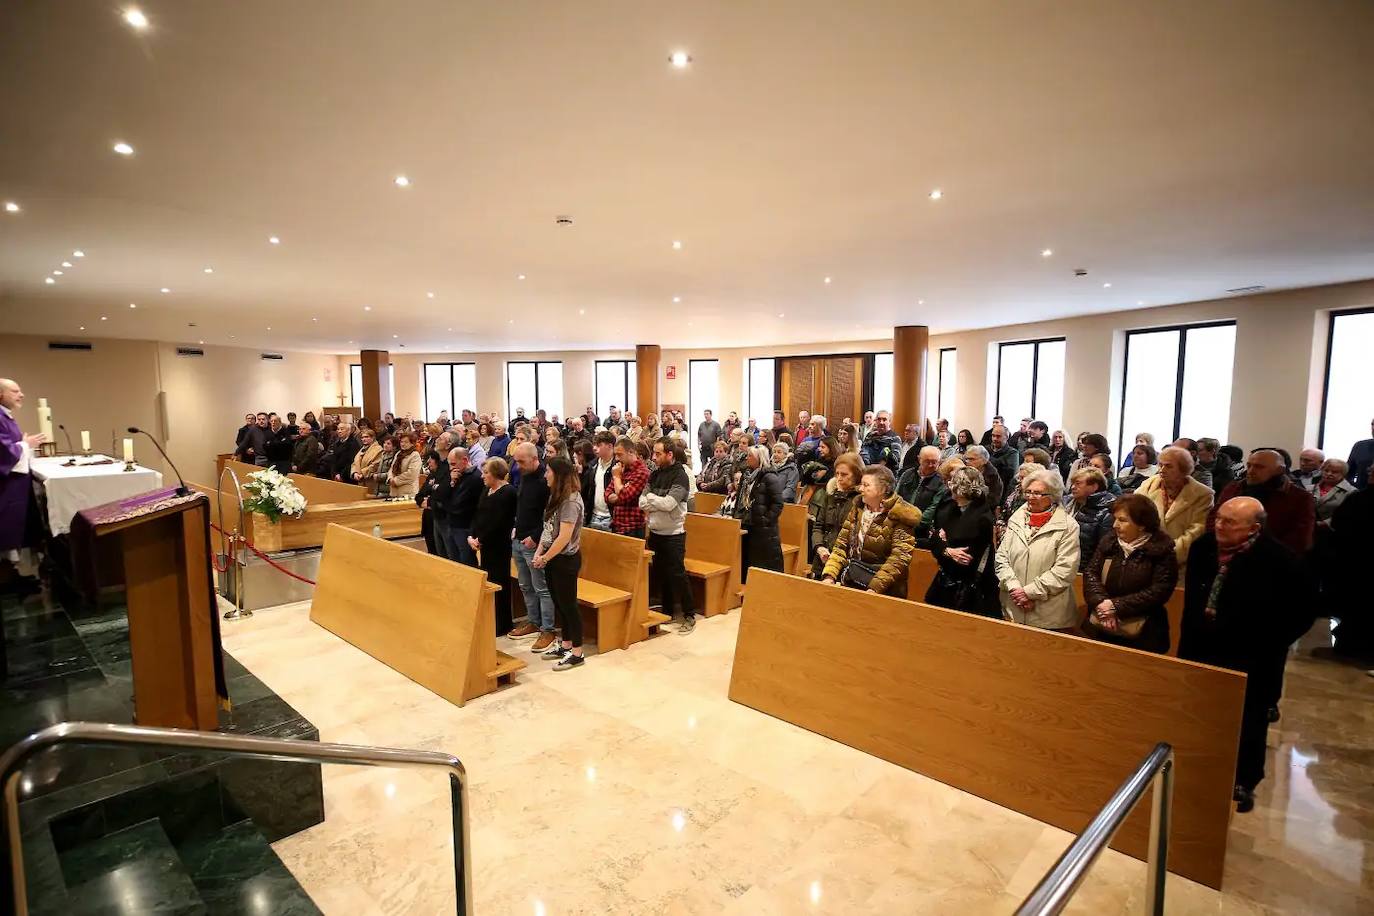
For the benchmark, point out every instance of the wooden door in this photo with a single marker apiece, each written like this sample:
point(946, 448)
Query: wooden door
point(831, 385)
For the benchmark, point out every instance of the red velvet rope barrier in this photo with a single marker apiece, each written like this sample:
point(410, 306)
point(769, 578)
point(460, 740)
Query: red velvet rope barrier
point(265, 557)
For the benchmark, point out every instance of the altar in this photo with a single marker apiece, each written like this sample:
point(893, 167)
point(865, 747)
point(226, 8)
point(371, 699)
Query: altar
point(93, 481)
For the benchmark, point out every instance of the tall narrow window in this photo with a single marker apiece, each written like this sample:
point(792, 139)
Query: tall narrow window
point(1177, 383)
point(762, 396)
point(882, 382)
point(703, 393)
point(355, 386)
point(534, 386)
point(1030, 381)
point(944, 397)
point(450, 387)
point(615, 385)
point(1346, 409)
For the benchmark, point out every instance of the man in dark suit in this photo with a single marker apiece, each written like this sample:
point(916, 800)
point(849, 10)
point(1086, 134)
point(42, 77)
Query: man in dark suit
point(1247, 598)
point(1291, 510)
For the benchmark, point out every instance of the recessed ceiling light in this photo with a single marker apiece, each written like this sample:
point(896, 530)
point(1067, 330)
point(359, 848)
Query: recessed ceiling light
point(429, 295)
point(269, 329)
point(57, 273)
point(1046, 252)
point(581, 311)
point(677, 245)
point(1140, 302)
point(510, 321)
point(11, 207)
point(920, 302)
point(402, 181)
point(367, 308)
point(314, 319)
point(133, 305)
point(49, 280)
point(781, 315)
point(231, 336)
point(936, 194)
point(82, 328)
point(134, 16)
point(165, 290)
point(209, 270)
point(1106, 286)
point(450, 329)
point(395, 336)
point(104, 318)
point(680, 59)
point(66, 263)
point(827, 279)
point(273, 240)
point(200, 341)
point(78, 253)
point(123, 148)
point(520, 277)
point(677, 298)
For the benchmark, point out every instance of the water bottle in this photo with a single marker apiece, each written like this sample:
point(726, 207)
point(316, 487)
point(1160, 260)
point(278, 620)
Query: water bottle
point(377, 530)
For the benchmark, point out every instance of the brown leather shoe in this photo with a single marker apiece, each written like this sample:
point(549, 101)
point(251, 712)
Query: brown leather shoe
point(524, 631)
point(543, 642)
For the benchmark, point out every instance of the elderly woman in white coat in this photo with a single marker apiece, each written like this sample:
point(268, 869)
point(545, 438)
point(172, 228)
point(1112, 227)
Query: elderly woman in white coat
point(1037, 558)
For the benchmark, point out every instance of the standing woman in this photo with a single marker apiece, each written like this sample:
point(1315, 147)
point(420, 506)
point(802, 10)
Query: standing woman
point(849, 438)
point(367, 463)
point(785, 463)
point(423, 493)
point(1037, 559)
point(873, 550)
point(491, 528)
point(963, 441)
point(1062, 454)
point(759, 505)
point(830, 507)
point(560, 556)
point(962, 546)
point(309, 420)
point(1130, 578)
point(404, 475)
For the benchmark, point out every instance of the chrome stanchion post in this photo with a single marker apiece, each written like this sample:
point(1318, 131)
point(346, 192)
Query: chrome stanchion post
point(1161, 814)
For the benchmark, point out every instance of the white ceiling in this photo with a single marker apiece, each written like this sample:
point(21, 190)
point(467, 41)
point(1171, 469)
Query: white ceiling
point(1174, 149)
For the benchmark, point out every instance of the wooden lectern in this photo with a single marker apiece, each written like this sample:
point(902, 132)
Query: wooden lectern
point(173, 619)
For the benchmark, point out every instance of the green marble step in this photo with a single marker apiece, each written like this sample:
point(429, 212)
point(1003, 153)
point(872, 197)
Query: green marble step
point(44, 885)
point(236, 872)
point(134, 870)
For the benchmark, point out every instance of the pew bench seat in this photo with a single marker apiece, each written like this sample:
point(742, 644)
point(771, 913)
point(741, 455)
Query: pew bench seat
point(714, 580)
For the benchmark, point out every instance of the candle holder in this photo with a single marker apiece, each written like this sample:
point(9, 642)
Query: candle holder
point(128, 466)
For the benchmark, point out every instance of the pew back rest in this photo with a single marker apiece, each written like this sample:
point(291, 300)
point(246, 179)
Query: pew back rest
point(611, 559)
point(712, 538)
point(708, 503)
point(316, 491)
point(792, 524)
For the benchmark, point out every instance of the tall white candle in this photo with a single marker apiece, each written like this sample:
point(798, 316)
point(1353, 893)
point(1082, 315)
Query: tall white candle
point(128, 450)
point(45, 418)
point(86, 440)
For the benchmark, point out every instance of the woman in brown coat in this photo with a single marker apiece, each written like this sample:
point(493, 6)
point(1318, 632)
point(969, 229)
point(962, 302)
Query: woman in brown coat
point(873, 549)
point(1131, 576)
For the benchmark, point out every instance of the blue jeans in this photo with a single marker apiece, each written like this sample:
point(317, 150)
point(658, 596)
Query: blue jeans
point(457, 546)
point(538, 601)
point(600, 524)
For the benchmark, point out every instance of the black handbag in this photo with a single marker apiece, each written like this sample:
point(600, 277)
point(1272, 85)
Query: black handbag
point(858, 574)
point(966, 594)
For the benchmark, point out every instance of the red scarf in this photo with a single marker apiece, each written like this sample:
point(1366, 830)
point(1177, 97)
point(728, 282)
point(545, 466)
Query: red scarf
point(1038, 519)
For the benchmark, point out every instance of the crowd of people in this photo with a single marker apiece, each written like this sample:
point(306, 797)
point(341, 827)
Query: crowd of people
point(1012, 519)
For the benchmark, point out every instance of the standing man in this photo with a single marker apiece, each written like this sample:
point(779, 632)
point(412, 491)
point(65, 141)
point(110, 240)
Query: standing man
point(867, 425)
point(881, 445)
point(465, 483)
point(629, 477)
point(803, 424)
point(248, 423)
point(1309, 468)
point(590, 418)
point(779, 424)
point(665, 507)
point(530, 499)
point(16, 486)
point(1361, 460)
point(1291, 510)
point(346, 447)
point(707, 434)
point(1245, 602)
point(986, 441)
point(252, 447)
point(911, 446)
point(1004, 458)
point(278, 446)
point(1216, 464)
point(595, 479)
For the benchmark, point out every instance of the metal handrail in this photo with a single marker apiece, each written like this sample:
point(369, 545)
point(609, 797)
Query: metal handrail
point(231, 552)
point(288, 750)
point(1156, 771)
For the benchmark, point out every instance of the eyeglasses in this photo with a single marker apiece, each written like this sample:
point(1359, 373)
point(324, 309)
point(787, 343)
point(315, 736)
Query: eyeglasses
point(1030, 495)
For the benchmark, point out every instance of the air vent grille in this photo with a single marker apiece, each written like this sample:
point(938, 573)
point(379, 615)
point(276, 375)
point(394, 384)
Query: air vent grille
point(1246, 289)
point(190, 351)
point(272, 356)
point(68, 345)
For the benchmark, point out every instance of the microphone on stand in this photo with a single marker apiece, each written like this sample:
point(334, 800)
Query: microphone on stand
point(181, 490)
point(69, 439)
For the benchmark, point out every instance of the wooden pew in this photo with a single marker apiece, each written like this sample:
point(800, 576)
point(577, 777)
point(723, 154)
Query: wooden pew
point(792, 529)
point(708, 503)
point(1173, 607)
point(396, 519)
point(1040, 722)
point(314, 489)
point(713, 562)
point(442, 635)
point(921, 573)
point(612, 590)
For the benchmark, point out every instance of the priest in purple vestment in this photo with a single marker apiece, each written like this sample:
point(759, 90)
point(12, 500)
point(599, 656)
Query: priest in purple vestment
point(16, 487)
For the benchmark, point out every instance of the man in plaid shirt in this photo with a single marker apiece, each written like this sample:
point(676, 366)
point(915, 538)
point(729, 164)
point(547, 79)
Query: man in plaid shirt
point(629, 477)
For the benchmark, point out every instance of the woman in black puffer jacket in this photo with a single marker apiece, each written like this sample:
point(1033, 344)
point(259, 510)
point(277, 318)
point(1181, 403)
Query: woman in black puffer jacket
point(1091, 506)
point(759, 506)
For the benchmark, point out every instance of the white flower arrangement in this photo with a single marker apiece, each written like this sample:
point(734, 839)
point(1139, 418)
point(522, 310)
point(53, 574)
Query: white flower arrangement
point(273, 495)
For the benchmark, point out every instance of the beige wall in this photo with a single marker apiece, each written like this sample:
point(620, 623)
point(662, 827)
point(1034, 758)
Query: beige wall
point(118, 384)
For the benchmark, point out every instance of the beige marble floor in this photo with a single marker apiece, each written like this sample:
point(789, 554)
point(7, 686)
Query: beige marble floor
point(633, 785)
